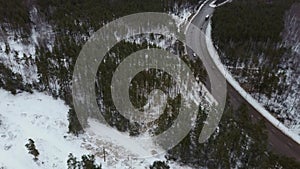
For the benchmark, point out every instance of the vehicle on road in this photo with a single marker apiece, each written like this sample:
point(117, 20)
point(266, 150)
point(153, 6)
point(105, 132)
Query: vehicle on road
point(206, 17)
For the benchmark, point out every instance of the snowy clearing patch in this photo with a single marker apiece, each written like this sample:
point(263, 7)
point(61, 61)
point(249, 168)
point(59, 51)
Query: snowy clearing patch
point(44, 119)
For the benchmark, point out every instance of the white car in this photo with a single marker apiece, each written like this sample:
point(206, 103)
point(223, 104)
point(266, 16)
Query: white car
point(206, 17)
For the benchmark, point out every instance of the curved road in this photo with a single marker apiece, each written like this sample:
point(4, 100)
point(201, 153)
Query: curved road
point(278, 141)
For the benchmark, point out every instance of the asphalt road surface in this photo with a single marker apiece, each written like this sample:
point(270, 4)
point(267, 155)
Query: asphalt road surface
point(278, 141)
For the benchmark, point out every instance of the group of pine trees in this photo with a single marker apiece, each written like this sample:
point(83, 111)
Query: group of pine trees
point(159, 165)
point(73, 21)
point(237, 143)
point(86, 162)
point(11, 81)
point(248, 34)
point(14, 15)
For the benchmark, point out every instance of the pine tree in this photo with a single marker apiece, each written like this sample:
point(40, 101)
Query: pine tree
point(87, 162)
point(74, 124)
point(159, 165)
point(32, 149)
point(72, 162)
point(7, 48)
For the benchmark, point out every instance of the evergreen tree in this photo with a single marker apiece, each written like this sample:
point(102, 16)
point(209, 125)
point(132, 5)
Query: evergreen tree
point(159, 165)
point(72, 161)
point(87, 162)
point(74, 124)
point(32, 149)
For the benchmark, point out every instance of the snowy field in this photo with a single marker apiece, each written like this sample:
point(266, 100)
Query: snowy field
point(41, 118)
point(44, 119)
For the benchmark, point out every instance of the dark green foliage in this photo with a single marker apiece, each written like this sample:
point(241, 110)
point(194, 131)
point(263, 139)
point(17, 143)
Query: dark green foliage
point(87, 162)
point(15, 15)
point(9, 80)
point(134, 129)
point(244, 20)
point(74, 124)
point(80, 16)
point(72, 161)
point(141, 86)
point(277, 160)
point(32, 149)
point(145, 82)
point(103, 86)
point(7, 48)
point(57, 67)
point(73, 21)
point(159, 165)
point(248, 32)
point(238, 142)
point(12, 81)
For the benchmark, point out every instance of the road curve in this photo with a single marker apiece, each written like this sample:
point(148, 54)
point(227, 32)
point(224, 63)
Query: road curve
point(278, 140)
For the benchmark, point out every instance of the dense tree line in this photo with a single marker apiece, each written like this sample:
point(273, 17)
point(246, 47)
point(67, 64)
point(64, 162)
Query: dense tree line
point(73, 21)
point(11, 81)
point(142, 84)
point(159, 165)
point(247, 34)
point(237, 143)
point(14, 15)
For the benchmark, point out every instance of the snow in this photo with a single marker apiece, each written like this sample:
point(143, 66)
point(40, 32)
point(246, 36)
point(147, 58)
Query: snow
point(134, 145)
point(243, 93)
point(290, 98)
point(41, 118)
point(284, 100)
point(212, 4)
point(15, 58)
point(20, 51)
point(182, 17)
point(41, 30)
point(44, 119)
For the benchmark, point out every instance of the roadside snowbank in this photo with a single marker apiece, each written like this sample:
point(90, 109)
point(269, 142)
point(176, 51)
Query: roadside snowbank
point(213, 5)
point(248, 97)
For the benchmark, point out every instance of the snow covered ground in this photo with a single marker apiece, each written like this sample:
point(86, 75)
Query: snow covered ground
point(41, 118)
point(44, 119)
